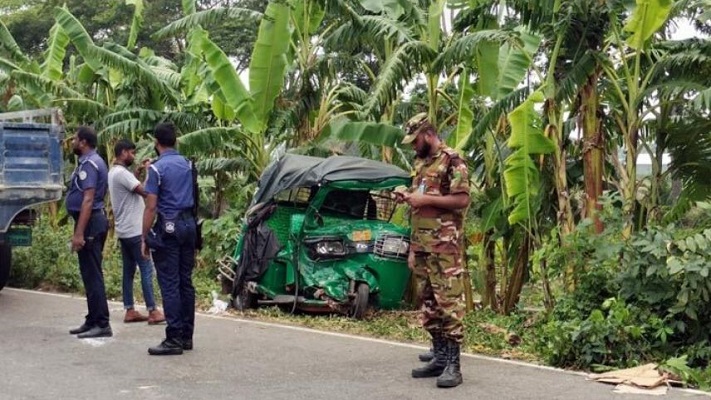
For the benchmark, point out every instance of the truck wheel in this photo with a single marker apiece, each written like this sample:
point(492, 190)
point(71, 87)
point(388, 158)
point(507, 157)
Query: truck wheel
point(5, 262)
point(360, 302)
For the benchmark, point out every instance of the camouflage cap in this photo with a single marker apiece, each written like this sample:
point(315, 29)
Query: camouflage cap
point(412, 127)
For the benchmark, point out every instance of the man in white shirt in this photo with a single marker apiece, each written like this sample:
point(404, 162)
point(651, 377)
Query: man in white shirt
point(127, 203)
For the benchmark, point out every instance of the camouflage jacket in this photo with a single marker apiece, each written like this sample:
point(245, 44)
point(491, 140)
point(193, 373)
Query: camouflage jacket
point(436, 230)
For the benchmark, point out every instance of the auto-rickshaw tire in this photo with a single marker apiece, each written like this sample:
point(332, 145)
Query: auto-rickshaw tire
point(360, 301)
point(245, 300)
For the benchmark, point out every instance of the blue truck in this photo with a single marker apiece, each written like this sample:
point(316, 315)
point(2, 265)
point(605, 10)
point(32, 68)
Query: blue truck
point(31, 173)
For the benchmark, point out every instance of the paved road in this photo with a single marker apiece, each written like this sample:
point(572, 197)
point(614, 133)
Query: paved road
point(235, 359)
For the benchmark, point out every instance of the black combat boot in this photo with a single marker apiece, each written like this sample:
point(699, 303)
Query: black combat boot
point(452, 374)
point(427, 356)
point(438, 363)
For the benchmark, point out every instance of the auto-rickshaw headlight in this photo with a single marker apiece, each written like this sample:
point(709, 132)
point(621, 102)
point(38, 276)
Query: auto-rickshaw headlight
point(330, 248)
point(392, 246)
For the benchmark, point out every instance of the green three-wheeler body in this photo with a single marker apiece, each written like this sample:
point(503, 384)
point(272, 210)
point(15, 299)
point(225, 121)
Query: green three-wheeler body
point(320, 236)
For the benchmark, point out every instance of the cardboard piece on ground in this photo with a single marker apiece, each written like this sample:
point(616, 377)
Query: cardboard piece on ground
point(644, 376)
point(627, 389)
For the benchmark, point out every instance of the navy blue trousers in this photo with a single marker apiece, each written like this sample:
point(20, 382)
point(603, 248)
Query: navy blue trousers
point(90, 259)
point(172, 245)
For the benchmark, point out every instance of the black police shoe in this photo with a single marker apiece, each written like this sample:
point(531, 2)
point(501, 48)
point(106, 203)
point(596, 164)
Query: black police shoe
point(187, 344)
point(83, 328)
point(96, 332)
point(168, 347)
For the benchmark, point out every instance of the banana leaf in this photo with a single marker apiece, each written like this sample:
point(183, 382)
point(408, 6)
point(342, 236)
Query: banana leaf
point(267, 67)
point(379, 134)
point(521, 175)
point(231, 87)
point(646, 19)
point(78, 36)
point(55, 53)
point(136, 22)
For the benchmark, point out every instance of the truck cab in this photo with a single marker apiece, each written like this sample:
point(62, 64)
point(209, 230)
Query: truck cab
point(30, 174)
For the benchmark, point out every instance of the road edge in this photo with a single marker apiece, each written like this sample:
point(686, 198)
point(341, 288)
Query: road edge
point(234, 318)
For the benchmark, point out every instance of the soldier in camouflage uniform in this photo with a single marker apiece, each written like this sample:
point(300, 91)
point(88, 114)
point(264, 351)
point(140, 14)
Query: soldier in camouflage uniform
point(438, 198)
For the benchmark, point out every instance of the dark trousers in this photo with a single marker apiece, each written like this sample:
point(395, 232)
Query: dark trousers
point(173, 250)
point(90, 258)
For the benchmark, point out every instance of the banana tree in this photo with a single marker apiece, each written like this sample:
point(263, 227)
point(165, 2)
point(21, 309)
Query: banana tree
point(628, 82)
point(496, 63)
point(678, 82)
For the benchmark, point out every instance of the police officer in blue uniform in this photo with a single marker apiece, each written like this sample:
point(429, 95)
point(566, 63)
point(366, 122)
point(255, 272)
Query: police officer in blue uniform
point(169, 233)
point(85, 203)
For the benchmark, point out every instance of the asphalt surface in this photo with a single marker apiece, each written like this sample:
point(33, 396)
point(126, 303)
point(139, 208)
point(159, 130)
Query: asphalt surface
point(237, 359)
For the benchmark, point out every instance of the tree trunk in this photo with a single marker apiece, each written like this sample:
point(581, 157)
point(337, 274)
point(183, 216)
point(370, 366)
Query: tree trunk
point(629, 185)
point(548, 300)
point(518, 273)
point(560, 175)
point(489, 257)
point(592, 150)
point(565, 214)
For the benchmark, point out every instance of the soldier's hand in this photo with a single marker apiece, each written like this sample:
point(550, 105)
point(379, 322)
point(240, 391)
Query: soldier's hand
point(416, 200)
point(399, 197)
point(411, 260)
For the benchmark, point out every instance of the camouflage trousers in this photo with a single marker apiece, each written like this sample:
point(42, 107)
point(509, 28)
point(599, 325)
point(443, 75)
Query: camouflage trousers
point(440, 286)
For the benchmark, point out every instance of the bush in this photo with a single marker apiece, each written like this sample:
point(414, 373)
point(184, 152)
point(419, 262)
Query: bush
point(615, 335)
point(647, 301)
point(48, 262)
point(668, 273)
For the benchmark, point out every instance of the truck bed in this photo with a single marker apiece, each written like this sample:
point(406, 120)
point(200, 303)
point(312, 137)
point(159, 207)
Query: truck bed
point(30, 167)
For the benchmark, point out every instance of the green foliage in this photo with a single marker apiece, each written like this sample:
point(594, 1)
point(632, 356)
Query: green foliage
point(345, 130)
point(48, 263)
point(667, 271)
point(679, 367)
point(522, 176)
point(615, 335)
point(267, 67)
point(635, 301)
point(594, 256)
point(647, 18)
point(54, 56)
point(220, 236)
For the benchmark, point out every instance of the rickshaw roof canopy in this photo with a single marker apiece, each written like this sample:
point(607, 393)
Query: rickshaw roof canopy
point(294, 171)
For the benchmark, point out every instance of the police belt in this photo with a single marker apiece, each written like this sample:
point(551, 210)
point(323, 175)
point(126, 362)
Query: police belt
point(182, 215)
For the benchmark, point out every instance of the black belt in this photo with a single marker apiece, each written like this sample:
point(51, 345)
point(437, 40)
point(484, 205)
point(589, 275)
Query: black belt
point(75, 214)
point(185, 214)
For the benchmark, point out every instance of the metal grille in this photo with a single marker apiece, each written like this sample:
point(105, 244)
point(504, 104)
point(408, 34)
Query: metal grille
point(381, 251)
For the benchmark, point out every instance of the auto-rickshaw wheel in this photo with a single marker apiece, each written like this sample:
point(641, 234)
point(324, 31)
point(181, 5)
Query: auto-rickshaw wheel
point(360, 302)
point(245, 300)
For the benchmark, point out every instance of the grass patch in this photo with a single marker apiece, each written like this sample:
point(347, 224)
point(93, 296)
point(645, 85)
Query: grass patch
point(486, 333)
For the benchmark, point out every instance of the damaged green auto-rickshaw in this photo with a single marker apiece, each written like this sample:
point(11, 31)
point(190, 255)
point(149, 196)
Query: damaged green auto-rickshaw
point(320, 236)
